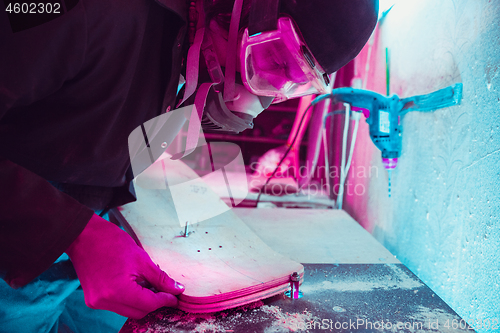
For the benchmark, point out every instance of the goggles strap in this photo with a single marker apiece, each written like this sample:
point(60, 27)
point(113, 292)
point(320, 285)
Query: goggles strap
point(232, 48)
point(193, 65)
point(193, 134)
point(263, 16)
point(212, 62)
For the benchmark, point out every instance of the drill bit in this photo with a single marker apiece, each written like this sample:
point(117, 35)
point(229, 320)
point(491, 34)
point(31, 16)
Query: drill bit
point(389, 172)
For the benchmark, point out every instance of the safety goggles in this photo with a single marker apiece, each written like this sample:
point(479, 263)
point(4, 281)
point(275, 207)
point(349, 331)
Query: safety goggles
point(278, 63)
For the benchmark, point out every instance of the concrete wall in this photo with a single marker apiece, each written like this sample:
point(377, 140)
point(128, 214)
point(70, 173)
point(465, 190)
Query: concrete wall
point(443, 220)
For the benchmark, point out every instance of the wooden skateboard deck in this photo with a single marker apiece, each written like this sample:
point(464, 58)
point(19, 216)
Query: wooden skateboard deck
point(222, 263)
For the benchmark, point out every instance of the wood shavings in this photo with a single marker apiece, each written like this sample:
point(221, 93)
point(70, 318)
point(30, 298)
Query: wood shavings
point(209, 326)
point(272, 319)
point(286, 322)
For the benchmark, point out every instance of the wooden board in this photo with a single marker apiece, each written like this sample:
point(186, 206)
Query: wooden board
point(222, 263)
point(316, 236)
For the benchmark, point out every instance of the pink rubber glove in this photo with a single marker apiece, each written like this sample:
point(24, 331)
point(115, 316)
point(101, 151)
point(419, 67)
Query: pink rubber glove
point(113, 270)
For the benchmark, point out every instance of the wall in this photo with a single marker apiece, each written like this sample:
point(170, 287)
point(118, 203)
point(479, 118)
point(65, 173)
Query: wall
point(443, 220)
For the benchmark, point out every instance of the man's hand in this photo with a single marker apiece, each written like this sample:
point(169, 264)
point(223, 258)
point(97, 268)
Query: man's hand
point(113, 270)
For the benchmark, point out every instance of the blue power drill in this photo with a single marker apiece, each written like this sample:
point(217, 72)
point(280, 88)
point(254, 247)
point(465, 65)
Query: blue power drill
point(384, 114)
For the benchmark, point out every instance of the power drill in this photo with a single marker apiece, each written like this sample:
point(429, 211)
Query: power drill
point(384, 113)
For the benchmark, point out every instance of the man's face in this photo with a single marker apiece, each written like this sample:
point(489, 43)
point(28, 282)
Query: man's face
point(276, 64)
point(270, 61)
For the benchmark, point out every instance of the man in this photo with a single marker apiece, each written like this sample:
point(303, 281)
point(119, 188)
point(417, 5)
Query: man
point(73, 86)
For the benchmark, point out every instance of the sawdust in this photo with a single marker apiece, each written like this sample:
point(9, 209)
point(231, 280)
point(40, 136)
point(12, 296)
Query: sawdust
point(180, 322)
point(397, 280)
point(239, 319)
point(209, 326)
point(287, 322)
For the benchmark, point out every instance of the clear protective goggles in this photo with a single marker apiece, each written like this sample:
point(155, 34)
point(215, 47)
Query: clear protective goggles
point(278, 63)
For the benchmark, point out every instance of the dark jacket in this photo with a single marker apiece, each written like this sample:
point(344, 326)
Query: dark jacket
point(71, 91)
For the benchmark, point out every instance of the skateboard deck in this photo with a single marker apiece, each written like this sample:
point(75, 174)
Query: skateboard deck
point(221, 262)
